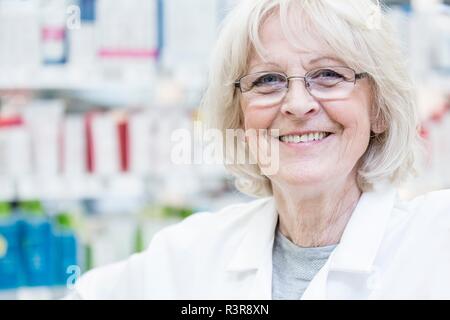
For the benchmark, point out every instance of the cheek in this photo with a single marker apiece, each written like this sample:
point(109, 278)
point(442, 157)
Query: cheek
point(258, 118)
point(354, 121)
point(353, 114)
point(351, 118)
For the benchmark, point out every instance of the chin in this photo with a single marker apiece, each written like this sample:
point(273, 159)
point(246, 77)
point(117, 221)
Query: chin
point(299, 175)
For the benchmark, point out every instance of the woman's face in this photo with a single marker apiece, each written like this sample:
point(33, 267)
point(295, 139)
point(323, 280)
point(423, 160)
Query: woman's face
point(347, 121)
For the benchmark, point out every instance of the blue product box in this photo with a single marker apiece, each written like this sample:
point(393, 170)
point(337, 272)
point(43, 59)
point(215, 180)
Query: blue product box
point(37, 251)
point(65, 256)
point(11, 272)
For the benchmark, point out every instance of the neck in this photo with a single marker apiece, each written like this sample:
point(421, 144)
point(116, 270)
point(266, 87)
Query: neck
point(312, 218)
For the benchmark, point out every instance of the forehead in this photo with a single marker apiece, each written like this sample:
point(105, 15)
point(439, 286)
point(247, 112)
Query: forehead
point(289, 45)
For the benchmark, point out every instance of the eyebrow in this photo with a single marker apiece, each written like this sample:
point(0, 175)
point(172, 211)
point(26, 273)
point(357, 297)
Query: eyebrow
point(317, 59)
point(273, 64)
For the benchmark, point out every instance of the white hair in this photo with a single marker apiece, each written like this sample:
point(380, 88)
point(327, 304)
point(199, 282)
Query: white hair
point(360, 35)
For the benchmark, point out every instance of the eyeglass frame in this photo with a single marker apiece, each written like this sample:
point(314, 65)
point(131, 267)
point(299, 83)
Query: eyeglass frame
point(358, 76)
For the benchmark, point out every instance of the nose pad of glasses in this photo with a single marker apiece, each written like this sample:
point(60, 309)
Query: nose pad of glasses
point(307, 84)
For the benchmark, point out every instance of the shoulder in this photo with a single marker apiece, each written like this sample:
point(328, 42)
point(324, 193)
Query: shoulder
point(229, 222)
point(435, 203)
point(207, 234)
point(177, 254)
point(430, 210)
point(422, 231)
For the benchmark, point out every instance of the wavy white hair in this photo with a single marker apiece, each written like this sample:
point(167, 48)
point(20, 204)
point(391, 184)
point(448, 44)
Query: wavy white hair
point(359, 33)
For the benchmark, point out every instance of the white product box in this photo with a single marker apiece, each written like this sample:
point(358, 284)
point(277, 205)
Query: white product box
point(43, 119)
point(74, 146)
point(105, 144)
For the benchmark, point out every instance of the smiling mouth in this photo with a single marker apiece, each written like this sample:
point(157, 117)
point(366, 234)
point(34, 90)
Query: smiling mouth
point(304, 138)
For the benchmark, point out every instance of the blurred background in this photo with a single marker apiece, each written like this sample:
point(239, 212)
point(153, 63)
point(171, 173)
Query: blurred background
point(90, 93)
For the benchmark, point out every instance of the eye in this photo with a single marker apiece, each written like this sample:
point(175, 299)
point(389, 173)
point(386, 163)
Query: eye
point(269, 79)
point(327, 74)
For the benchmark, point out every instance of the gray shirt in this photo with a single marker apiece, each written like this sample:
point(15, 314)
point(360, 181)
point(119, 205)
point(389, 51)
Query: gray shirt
point(294, 267)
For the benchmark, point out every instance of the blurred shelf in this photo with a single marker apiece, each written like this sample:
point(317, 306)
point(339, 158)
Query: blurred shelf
point(37, 293)
point(110, 86)
point(115, 186)
point(60, 187)
point(73, 78)
point(67, 84)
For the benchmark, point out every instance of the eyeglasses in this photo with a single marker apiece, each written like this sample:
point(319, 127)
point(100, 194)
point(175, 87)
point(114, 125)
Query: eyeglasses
point(327, 83)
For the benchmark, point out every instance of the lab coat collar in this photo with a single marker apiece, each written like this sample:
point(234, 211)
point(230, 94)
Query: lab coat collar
point(356, 251)
point(258, 238)
point(364, 232)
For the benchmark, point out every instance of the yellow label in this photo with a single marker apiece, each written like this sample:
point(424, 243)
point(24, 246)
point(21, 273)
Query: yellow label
point(3, 246)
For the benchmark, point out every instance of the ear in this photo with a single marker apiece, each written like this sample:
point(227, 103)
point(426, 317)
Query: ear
point(378, 123)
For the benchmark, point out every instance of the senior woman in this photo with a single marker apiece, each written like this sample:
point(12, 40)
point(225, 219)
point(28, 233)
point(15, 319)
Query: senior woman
point(327, 82)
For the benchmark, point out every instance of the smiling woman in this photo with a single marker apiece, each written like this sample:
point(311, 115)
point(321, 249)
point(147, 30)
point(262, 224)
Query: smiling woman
point(298, 38)
point(333, 92)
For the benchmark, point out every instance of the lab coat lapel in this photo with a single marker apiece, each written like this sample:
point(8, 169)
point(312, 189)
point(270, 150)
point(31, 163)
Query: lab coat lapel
point(348, 271)
point(255, 252)
point(365, 230)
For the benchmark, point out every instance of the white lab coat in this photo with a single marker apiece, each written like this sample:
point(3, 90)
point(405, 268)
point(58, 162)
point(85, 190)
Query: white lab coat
point(390, 249)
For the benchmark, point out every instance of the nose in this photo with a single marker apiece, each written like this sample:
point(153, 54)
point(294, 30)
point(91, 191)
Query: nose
point(298, 102)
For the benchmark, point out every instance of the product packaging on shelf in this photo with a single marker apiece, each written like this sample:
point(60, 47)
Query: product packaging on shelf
point(35, 250)
point(11, 267)
point(54, 42)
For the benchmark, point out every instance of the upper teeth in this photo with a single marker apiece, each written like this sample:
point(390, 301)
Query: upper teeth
point(304, 137)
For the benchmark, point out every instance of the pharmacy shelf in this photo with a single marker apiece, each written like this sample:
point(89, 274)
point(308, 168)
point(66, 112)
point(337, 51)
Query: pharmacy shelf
point(117, 186)
point(81, 85)
point(73, 78)
point(59, 187)
point(110, 86)
point(38, 293)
